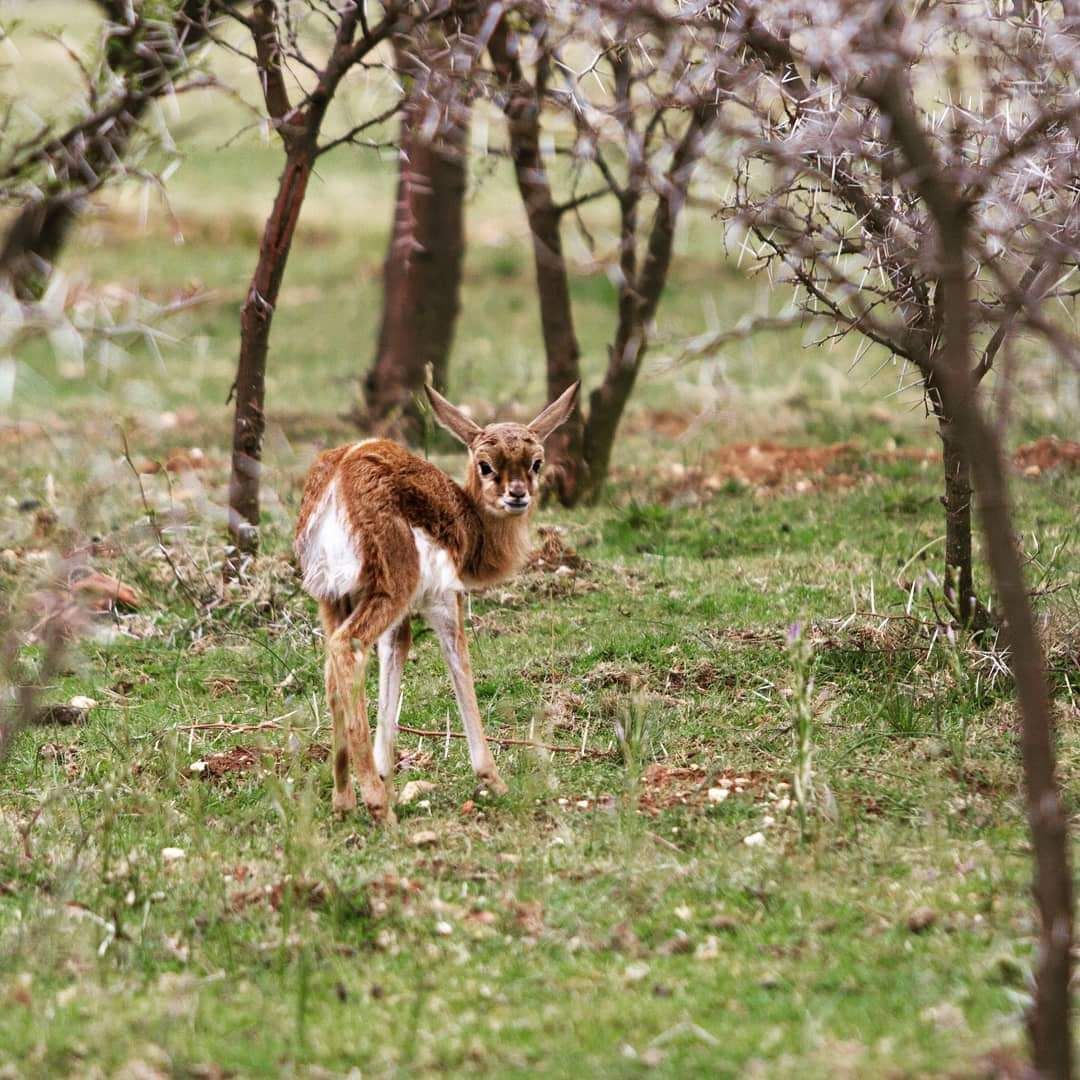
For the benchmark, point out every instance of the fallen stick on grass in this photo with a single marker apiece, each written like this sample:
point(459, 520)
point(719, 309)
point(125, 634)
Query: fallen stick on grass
point(224, 725)
point(504, 740)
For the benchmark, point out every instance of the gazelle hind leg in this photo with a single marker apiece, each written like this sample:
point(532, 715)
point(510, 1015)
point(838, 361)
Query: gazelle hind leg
point(337, 699)
point(448, 622)
point(382, 602)
point(393, 652)
point(350, 668)
point(348, 709)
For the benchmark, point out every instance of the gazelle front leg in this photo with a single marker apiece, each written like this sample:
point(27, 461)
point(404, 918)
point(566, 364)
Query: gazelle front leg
point(448, 622)
point(393, 652)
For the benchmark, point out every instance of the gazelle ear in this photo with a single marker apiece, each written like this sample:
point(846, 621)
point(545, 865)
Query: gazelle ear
point(452, 418)
point(556, 413)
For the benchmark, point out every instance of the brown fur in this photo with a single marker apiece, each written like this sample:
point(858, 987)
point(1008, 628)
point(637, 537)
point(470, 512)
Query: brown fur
point(385, 486)
point(384, 492)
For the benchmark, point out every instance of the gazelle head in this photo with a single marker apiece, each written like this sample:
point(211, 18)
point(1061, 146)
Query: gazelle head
point(505, 460)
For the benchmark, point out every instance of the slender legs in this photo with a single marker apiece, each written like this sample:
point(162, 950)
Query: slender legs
point(448, 622)
point(348, 640)
point(393, 651)
point(349, 637)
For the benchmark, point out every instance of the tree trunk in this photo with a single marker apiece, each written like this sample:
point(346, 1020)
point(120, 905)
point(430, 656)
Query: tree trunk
point(422, 271)
point(960, 582)
point(639, 296)
point(33, 242)
point(250, 387)
point(299, 129)
point(565, 447)
point(1051, 1034)
point(608, 400)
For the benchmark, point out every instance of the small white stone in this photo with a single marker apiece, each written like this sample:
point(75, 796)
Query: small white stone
point(718, 794)
point(172, 854)
point(197, 767)
point(755, 839)
point(709, 949)
point(443, 929)
point(82, 702)
point(636, 972)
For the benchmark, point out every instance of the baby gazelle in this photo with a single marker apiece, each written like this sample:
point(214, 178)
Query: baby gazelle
point(383, 535)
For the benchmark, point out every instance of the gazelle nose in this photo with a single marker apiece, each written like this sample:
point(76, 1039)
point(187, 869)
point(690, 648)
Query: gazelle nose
point(516, 489)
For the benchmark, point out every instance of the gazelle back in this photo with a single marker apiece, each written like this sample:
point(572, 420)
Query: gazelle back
point(384, 535)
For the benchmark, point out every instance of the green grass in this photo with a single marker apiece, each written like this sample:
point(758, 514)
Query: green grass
point(534, 935)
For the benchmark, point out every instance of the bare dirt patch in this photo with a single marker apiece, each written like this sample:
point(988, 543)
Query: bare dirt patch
point(1047, 453)
point(770, 468)
point(554, 568)
point(65, 755)
point(767, 464)
point(238, 761)
point(553, 553)
point(301, 893)
point(666, 786)
point(703, 675)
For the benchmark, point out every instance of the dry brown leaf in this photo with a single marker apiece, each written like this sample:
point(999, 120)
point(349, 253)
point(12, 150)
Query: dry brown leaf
point(413, 790)
point(529, 917)
point(185, 460)
point(103, 592)
point(921, 920)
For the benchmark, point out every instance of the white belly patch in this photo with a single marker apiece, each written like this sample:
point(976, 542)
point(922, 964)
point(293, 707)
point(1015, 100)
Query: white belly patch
point(329, 556)
point(438, 575)
point(330, 559)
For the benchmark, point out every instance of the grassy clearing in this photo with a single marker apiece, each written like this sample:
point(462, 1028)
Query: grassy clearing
point(560, 930)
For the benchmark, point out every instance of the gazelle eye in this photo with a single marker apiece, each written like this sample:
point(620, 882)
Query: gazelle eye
point(536, 465)
point(486, 469)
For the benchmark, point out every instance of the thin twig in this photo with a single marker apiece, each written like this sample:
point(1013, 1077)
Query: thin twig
point(224, 725)
point(503, 740)
point(151, 516)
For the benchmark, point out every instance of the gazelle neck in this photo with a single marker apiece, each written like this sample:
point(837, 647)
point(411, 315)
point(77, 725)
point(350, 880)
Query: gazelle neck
point(500, 547)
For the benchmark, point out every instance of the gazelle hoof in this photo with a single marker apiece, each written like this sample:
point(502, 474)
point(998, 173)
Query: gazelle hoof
point(382, 813)
point(344, 802)
point(491, 783)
